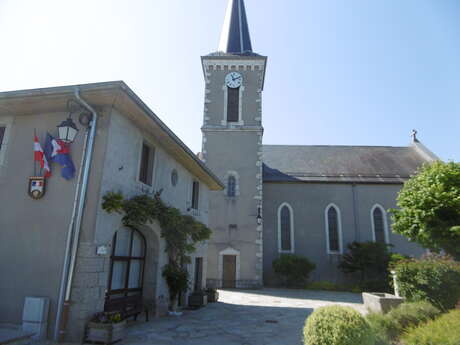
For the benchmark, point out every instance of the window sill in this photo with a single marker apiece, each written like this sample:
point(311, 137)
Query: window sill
point(144, 188)
point(285, 251)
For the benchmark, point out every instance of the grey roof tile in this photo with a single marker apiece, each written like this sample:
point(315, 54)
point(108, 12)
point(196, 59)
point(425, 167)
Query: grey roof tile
point(348, 164)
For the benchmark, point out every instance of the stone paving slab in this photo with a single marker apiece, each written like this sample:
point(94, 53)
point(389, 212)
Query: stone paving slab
point(260, 317)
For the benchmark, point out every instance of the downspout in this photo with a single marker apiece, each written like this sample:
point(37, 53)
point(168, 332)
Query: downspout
point(75, 225)
point(355, 212)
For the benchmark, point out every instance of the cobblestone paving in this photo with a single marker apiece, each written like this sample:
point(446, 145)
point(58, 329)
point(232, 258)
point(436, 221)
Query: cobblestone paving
point(262, 317)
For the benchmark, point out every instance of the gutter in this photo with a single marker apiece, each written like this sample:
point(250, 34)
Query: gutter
point(75, 225)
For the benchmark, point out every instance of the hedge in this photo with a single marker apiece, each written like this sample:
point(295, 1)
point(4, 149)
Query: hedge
point(435, 279)
point(443, 331)
point(337, 325)
point(390, 326)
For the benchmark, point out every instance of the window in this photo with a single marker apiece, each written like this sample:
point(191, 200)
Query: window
point(333, 229)
point(195, 195)
point(198, 274)
point(231, 187)
point(174, 177)
point(285, 229)
point(127, 264)
point(146, 165)
point(379, 224)
point(233, 104)
point(2, 134)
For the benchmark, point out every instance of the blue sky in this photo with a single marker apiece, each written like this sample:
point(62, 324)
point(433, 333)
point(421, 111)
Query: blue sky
point(340, 72)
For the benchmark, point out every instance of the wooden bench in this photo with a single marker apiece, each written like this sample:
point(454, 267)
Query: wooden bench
point(130, 306)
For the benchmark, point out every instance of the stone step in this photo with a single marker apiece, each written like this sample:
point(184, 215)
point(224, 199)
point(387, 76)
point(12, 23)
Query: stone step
point(13, 336)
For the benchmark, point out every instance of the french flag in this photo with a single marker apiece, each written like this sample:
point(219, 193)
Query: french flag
point(58, 151)
point(39, 156)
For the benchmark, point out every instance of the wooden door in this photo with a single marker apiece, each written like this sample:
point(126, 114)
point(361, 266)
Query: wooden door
point(229, 272)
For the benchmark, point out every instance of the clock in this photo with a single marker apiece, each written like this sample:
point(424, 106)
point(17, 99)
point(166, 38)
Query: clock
point(233, 80)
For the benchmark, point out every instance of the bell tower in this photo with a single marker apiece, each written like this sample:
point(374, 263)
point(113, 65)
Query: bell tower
point(232, 149)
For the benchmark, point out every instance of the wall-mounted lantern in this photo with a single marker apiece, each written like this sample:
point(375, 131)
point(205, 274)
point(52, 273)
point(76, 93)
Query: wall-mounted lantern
point(68, 130)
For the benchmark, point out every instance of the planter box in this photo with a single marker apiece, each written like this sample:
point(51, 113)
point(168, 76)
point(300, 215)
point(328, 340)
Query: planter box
point(105, 333)
point(197, 300)
point(381, 302)
point(212, 296)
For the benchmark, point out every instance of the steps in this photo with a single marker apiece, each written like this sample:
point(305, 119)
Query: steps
point(13, 336)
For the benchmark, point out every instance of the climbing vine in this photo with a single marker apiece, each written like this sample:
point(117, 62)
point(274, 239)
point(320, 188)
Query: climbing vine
point(181, 232)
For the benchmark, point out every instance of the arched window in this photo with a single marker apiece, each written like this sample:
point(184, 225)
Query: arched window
point(333, 229)
point(285, 229)
point(126, 269)
point(231, 186)
point(379, 224)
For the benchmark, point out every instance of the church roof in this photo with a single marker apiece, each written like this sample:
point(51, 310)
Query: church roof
point(348, 164)
point(235, 38)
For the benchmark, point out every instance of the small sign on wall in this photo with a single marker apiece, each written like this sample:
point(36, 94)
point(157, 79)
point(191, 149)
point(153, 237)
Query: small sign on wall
point(102, 250)
point(36, 187)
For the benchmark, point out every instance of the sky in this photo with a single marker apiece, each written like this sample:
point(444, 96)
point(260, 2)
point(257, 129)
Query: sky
point(340, 72)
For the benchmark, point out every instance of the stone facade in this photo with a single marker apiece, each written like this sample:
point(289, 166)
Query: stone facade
point(309, 202)
point(234, 218)
point(34, 231)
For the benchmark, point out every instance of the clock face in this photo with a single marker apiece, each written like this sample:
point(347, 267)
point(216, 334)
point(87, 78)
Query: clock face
point(233, 80)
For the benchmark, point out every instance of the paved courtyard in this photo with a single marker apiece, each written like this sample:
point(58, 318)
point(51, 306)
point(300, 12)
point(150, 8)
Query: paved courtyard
point(262, 317)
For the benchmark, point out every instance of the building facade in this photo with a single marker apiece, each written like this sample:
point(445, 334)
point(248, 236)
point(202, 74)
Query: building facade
point(135, 153)
point(232, 149)
point(306, 200)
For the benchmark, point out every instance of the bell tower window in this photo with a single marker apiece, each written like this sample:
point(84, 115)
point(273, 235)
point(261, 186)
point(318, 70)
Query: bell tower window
point(233, 104)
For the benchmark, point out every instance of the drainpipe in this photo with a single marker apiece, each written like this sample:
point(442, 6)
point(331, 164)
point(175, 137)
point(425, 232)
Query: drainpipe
point(75, 225)
point(355, 212)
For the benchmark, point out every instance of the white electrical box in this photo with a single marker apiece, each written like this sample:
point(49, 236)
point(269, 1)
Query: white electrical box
point(35, 316)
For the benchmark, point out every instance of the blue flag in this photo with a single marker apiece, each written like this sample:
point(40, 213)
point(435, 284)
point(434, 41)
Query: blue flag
point(58, 151)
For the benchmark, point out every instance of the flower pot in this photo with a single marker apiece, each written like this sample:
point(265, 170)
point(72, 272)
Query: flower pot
point(198, 299)
point(105, 333)
point(381, 302)
point(213, 296)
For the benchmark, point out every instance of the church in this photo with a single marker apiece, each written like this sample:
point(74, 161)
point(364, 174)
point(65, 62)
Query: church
point(306, 200)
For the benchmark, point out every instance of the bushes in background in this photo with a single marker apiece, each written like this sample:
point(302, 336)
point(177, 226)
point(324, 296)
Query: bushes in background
point(293, 270)
point(330, 286)
point(434, 278)
point(370, 260)
point(443, 331)
point(390, 326)
point(337, 325)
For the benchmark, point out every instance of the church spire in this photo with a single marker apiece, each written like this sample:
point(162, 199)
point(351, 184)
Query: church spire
point(235, 38)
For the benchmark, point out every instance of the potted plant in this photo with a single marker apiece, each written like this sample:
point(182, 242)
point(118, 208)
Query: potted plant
point(213, 295)
point(105, 328)
point(198, 299)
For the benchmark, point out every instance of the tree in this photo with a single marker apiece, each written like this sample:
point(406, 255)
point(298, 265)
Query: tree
point(370, 261)
point(293, 270)
point(429, 208)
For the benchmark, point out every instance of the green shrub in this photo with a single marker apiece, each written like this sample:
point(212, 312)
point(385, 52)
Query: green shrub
point(435, 279)
point(395, 258)
point(337, 325)
point(293, 270)
point(369, 260)
point(323, 285)
point(443, 331)
point(390, 326)
point(329, 286)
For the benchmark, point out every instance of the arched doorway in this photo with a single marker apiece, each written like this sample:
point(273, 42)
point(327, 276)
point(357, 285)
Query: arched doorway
point(126, 275)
